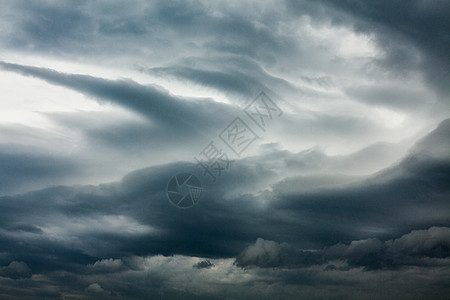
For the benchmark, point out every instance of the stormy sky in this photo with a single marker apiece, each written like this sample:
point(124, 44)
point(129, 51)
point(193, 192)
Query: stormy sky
point(319, 132)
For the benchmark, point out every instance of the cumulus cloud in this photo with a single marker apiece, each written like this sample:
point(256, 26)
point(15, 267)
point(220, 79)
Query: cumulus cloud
point(16, 270)
point(107, 265)
point(262, 253)
point(419, 247)
point(95, 287)
point(266, 254)
point(434, 242)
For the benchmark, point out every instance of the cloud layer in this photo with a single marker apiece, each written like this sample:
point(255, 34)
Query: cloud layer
point(345, 195)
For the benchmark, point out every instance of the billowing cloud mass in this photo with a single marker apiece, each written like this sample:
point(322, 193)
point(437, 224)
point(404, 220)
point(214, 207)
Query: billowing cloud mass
point(316, 133)
point(16, 270)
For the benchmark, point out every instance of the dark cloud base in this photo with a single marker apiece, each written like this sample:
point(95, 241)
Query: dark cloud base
point(393, 222)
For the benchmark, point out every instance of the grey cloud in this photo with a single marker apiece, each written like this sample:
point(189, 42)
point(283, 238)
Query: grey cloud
point(28, 162)
point(435, 144)
point(150, 101)
point(161, 275)
point(58, 29)
point(204, 264)
point(110, 137)
point(316, 161)
point(28, 171)
point(95, 288)
point(107, 266)
point(173, 122)
point(170, 27)
point(26, 228)
point(16, 270)
point(224, 221)
point(262, 253)
point(434, 242)
point(393, 97)
point(47, 26)
point(384, 205)
point(423, 23)
point(297, 223)
point(232, 220)
point(311, 128)
point(266, 254)
point(418, 247)
point(232, 74)
point(238, 83)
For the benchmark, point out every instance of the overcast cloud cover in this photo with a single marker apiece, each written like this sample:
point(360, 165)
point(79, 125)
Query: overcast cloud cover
point(345, 195)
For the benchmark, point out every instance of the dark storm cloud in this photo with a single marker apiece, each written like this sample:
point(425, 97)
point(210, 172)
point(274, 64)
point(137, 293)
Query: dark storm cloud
point(81, 28)
point(419, 247)
point(222, 226)
point(32, 158)
point(423, 23)
point(119, 136)
point(296, 224)
point(269, 254)
point(24, 163)
point(47, 27)
point(16, 270)
point(94, 222)
point(387, 207)
point(151, 101)
point(238, 33)
point(108, 266)
point(177, 26)
point(173, 120)
point(412, 194)
point(28, 171)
